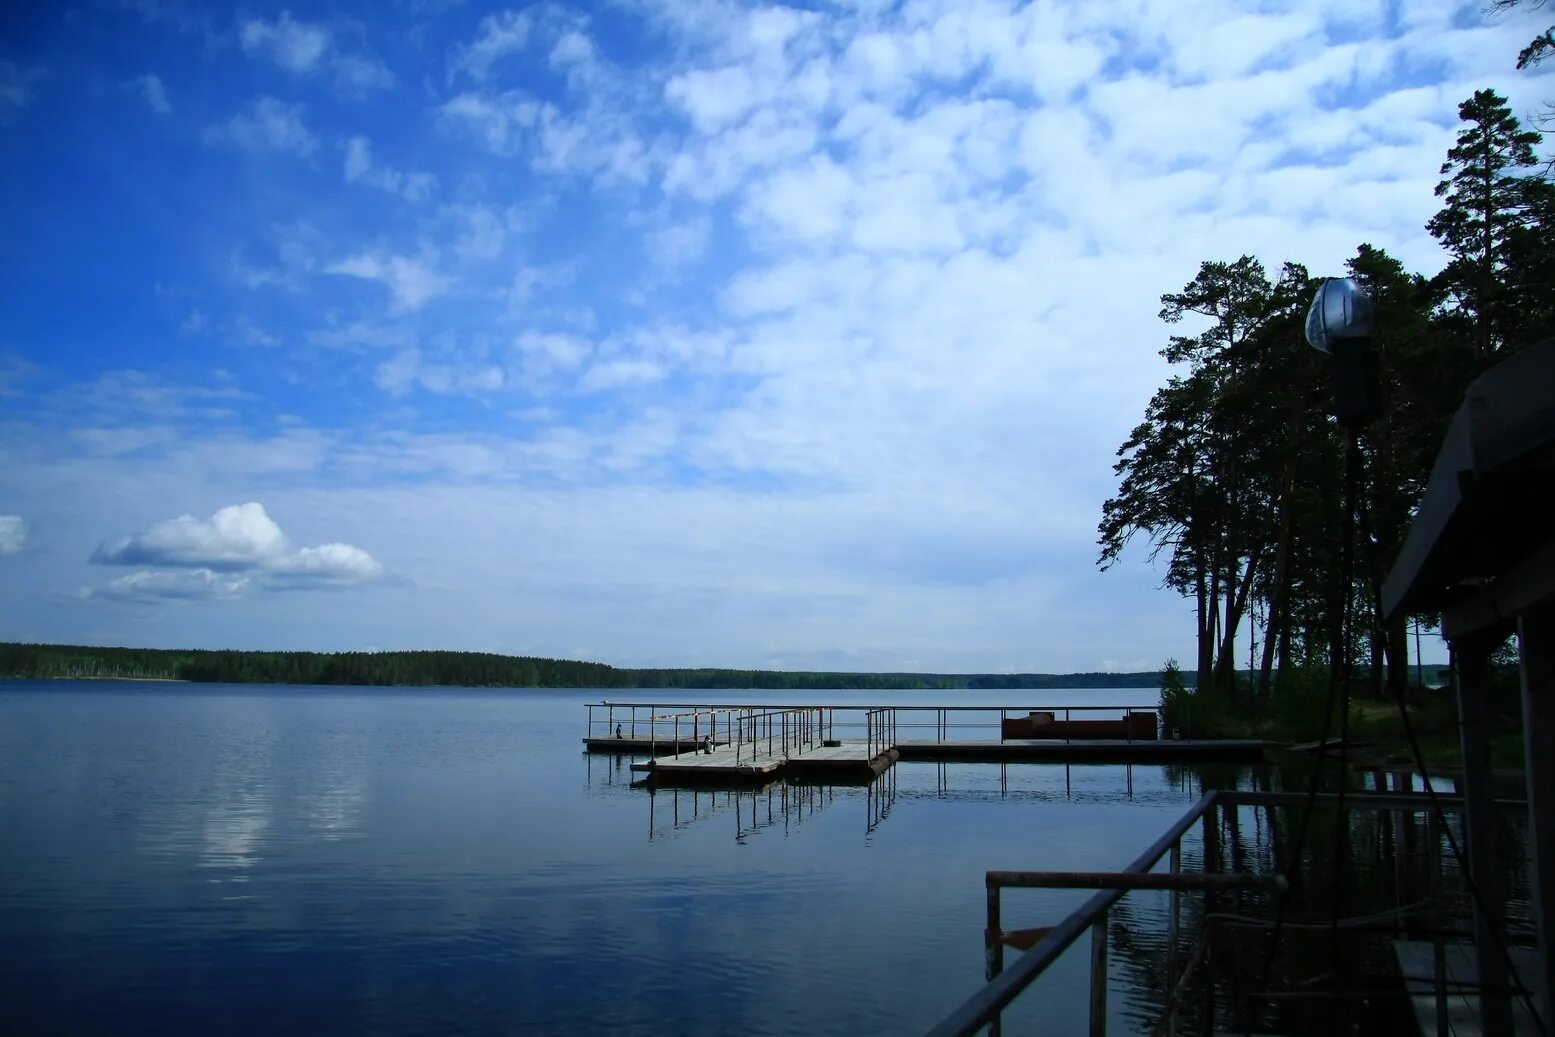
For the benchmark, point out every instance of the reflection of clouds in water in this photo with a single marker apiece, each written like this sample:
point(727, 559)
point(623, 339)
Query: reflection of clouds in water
point(234, 831)
point(335, 803)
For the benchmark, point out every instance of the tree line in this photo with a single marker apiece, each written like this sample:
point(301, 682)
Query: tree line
point(484, 670)
point(1235, 474)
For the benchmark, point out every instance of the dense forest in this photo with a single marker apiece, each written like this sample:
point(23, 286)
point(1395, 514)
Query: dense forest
point(484, 670)
point(1235, 475)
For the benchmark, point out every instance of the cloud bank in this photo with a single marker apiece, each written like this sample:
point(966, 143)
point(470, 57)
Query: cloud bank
point(237, 550)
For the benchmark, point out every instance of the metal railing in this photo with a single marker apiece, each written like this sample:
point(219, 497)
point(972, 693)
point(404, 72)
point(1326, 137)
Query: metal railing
point(1175, 882)
point(880, 730)
point(936, 723)
point(985, 1007)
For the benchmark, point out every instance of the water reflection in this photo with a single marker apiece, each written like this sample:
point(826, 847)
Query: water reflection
point(671, 809)
point(234, 830)
point(778, 805)
point(422, 862)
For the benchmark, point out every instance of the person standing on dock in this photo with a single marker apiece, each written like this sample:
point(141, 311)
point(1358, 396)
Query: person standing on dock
point(618, 730)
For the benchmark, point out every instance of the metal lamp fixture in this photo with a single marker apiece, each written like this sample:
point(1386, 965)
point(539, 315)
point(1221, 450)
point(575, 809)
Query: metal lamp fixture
point(1339, 324)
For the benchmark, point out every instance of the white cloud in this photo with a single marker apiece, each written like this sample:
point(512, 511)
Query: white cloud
point(573, 50)
point(235, 538)
point(566, 352)
point(16, 85)
point(356, 75)
point(411, 281)
point(675, 244)
point(150, 587)
point(499, 120)
point(237, 549)
point(295, 46)
point(360, 168)
point(409, 369)
point(268, 125)
point(712, 98)
point(13, 534)
point(154, 93)
point(620, 374)
point(306, 48)
point(501, 35)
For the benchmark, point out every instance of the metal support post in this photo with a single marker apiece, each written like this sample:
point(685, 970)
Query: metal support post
point(1536, 639)
point(1099, 977)
point(1495, 1005)
point(1174, 913)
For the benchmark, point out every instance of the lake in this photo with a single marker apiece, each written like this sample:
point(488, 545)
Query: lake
point(257, 859)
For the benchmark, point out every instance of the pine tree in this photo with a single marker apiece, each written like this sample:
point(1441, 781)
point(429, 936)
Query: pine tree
point(1490, 200)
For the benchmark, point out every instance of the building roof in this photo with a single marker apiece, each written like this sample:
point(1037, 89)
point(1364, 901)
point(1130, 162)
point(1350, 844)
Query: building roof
point(1487, 517)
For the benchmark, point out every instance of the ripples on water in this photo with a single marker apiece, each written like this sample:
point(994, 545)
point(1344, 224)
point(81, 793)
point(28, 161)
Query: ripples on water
point(251, 860)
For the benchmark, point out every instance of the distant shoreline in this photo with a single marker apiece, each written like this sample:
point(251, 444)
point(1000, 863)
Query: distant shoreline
point(139, 680)
point(491, 670)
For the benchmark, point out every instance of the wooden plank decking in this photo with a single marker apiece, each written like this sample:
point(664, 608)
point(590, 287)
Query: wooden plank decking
point(1416, 962)
point(850, 760)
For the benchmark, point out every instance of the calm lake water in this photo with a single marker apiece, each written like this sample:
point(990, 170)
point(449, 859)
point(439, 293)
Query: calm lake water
point(258, 859)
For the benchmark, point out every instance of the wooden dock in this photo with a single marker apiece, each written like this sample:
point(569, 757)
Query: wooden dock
point(843, 763)
point(1448, 1001)
point(660, 746)
point(752, 744)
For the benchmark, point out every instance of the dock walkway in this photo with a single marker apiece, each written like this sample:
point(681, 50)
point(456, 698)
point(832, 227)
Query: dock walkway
point(842, 762)
point(762, 743)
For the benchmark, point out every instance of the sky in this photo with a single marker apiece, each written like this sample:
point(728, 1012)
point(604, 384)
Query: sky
point(656, 332)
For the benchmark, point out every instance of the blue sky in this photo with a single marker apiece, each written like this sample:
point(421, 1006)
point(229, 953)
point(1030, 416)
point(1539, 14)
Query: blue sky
point(655, 333)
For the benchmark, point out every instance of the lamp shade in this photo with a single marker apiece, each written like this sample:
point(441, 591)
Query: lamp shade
point(1340, 309)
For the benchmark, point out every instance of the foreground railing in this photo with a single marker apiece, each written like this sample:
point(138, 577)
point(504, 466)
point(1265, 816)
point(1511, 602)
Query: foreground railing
point(986, 1006)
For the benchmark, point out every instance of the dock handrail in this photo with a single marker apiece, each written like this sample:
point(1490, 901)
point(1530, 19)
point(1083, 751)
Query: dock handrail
point(985, 1006)
point(909, 719)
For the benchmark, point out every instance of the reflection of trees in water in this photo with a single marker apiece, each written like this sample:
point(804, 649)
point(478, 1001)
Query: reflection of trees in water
point(1373, 871)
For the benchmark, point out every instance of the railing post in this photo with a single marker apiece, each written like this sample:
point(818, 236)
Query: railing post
point(1433, 876)
point(1171, 944)
point(995, 957)
point(677, 736)
point(1099, 976)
